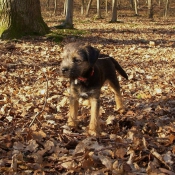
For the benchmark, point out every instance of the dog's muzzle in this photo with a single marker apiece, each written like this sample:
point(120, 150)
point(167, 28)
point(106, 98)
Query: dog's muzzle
point(64, 70)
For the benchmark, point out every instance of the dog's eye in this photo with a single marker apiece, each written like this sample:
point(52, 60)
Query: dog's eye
point(76, 60)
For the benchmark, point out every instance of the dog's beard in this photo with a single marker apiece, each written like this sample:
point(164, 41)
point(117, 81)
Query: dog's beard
point(73, 74)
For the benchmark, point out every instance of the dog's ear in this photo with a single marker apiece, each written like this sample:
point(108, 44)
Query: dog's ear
point(92, 54)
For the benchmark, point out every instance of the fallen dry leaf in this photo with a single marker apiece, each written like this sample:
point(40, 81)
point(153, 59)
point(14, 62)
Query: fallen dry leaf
point(34, 100)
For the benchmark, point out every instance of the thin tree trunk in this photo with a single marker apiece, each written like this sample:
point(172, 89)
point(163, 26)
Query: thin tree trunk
point(132, 3)
point(68, 24)
point(88, 7)
point(150, 9)
point(82, 7)
point(21, 17)
point(48, 3)
point(65, 7)
point(114, 11)
point(136, 7)
point(166, 8)
point(98, 9)
point(55, 6)
point(106, 7)
point(159, 3)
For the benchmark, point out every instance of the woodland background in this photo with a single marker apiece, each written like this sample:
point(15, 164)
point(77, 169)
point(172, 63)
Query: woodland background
point(34, 138)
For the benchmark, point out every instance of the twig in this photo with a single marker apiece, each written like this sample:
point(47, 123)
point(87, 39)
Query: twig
point(45, 102)
point(159, 157)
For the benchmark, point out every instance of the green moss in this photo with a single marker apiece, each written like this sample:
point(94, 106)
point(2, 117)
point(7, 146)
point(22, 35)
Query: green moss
point(65, 26)
point(2, 29)
point(55, 37)
point(133, 25)
point(11, 33)
point(59, 34)
point(18, 30)
point(70, 32)
point(139, 96)
point(84, 21)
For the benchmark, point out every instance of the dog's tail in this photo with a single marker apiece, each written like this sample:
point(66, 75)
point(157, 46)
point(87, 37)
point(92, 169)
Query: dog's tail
point(119, 68)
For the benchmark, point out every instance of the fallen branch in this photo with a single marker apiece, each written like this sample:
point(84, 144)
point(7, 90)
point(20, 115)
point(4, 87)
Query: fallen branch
point(159, 157)
point(45, 102)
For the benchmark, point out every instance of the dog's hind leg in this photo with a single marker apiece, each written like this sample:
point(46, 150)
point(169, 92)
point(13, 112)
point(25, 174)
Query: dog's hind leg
point(114, 83)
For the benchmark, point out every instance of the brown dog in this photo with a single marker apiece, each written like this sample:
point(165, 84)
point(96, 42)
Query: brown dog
point(87, 71)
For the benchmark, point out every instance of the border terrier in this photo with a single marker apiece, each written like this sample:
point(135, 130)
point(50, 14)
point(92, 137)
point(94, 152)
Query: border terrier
point(88, 71)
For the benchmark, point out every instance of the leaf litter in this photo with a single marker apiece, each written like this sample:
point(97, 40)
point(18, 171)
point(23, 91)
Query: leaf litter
point(34, 137)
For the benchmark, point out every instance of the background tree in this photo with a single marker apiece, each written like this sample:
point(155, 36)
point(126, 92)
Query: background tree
point(136, 7)
point(68, 23)
point(21, 17)
point(106, 4)
point(98, 9)
point(82, 7)
point(88, 7)
point(150, 8)
point(114, 11)
point(166, 2)
point(55, 6)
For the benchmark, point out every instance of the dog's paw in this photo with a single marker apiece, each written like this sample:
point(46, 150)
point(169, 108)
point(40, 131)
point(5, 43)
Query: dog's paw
point(121, 110)
point(72, 123)
point(94, 131)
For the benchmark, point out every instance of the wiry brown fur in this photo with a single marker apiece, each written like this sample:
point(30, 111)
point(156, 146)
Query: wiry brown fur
point(87, 73)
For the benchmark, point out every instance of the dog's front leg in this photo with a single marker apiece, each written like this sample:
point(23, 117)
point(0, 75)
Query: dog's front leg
point(94, 125)
point(72, 120)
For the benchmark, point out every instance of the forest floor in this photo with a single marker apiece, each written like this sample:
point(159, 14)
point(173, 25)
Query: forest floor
point(34, 138)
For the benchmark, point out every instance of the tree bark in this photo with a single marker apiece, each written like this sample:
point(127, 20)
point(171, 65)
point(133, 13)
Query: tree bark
point(132, 3)
point(65, 7)
point(20, 18)
point(82, 7)
point(150, 9)
point(136, 7)
point(68, 23)
point(88, 7)
point(48, 3)
point(55, 6)
point(98, 9)
point(106, 3)
point(166, 8)
point(114, 11)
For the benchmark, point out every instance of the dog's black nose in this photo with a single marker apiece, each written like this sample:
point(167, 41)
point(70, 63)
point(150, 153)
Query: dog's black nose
point(65, 69)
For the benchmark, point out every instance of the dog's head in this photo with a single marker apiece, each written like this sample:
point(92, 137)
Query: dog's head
point(78, 59)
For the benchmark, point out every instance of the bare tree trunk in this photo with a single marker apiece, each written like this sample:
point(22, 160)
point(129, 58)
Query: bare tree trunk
point(132, 3)
point(150, 9)
point(136, 7)
point(55, 6)
point(106, 7)
point(48, 3)
point(114, 11)
point(21, 17)
point(82, 7)
point(88, 7)
point(65, 6)
point(68, 24)
point(159, 3)
point(98, 9)
point(166, 8)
